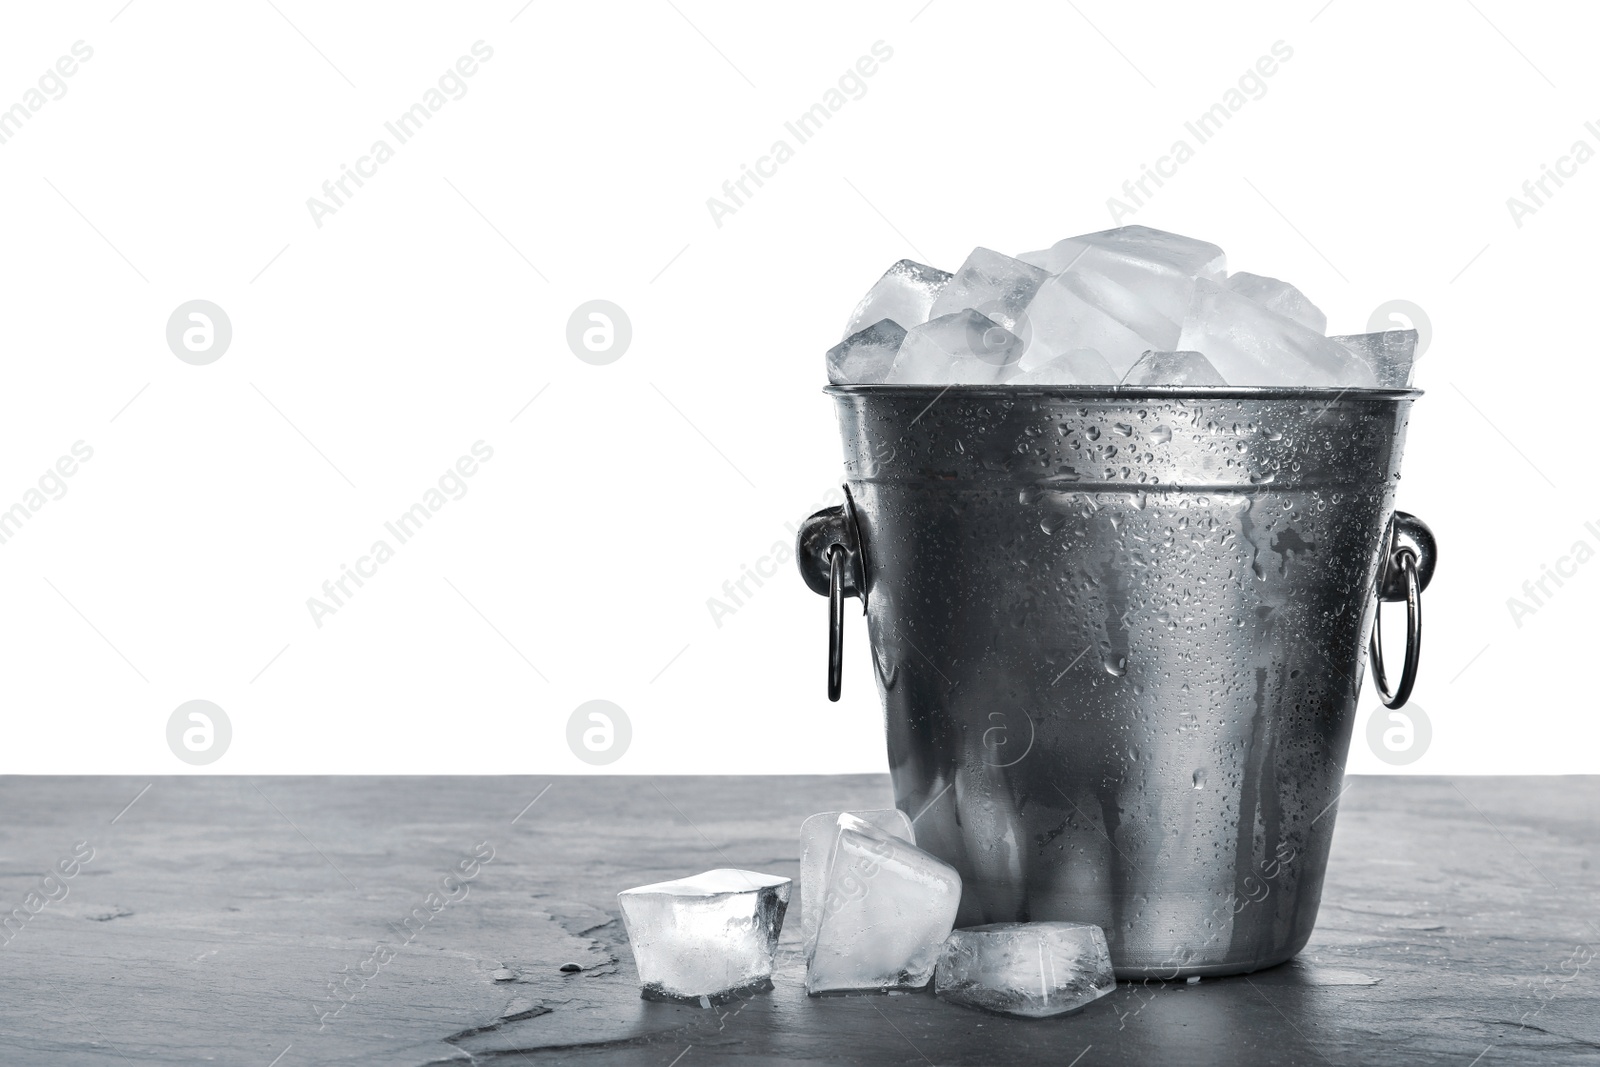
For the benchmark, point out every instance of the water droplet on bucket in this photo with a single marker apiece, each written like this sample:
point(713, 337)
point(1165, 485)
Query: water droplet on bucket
point(1161, 435)
point(1200, 779)
point(1114, 664)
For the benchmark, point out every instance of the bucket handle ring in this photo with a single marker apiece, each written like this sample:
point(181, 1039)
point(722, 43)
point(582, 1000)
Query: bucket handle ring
point(1407, 561)
point(836, 562)
point(833, 561)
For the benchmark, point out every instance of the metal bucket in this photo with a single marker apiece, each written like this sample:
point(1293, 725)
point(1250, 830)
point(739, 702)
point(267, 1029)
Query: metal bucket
point(1119, 637)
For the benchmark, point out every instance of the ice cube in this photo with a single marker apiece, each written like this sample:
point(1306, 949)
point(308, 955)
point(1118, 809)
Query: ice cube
point(1136, 277)
point(1389, 354)
point(1030, 970)
point(711, 935)
point(1080, 366)
point(1183, 255)
point(1278, 296)
point(1250, 345)
point(903, 295)
point(817, 836)
point(1173, 368)
point(865, 356)
point(1082, 308)
point(888, 908)
point(992, 284)
point(930, 353)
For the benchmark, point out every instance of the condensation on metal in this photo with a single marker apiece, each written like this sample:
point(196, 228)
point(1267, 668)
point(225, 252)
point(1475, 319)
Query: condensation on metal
point(1119, 636)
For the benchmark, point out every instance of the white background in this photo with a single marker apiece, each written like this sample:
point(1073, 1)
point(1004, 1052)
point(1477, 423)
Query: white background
point(424, 315)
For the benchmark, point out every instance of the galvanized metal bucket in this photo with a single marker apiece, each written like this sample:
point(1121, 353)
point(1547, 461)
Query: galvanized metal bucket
point(1119, 637)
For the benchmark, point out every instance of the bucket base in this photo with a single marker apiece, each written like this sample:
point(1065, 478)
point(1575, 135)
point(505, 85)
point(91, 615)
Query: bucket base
point(1207, 970)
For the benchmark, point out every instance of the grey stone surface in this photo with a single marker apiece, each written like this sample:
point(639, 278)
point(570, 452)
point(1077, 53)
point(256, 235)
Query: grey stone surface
point(1458, 921)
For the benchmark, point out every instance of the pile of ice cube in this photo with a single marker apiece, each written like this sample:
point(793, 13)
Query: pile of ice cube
point(1131, 306)
point(876, 916)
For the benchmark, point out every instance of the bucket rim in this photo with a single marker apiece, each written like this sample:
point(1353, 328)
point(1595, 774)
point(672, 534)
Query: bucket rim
point(1127, 392)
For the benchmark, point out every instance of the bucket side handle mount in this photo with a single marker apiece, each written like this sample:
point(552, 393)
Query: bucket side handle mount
point(833, 561)
point(1410, 554)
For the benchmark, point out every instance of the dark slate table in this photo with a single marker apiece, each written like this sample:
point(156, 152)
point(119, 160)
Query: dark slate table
point(288, 921)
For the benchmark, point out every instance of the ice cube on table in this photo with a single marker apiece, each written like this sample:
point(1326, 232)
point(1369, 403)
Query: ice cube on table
point(904, 295)
point(1250, 345)
point(1173, 368)
point(1183, 255)
point(886, 911)
point(865, 356)
point(707, 936)
point(817, 837)
point(1080, 366)
point(1280, 297)
point(965, 345)
point(992, 284)
point(1084, 309)
point(1031, 970)
point(1390, 354)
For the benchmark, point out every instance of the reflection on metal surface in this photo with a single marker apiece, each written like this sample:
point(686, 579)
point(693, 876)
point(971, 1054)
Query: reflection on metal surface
point(1174, 590)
